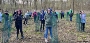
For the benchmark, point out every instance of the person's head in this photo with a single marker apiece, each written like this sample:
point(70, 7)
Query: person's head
point(27, 11)
point(6, 11)
point(55, 13)
point(48, 11)
point(82, 12)
point(42, 11)
point(61, 11)
point(19, 12)
point(34, 10)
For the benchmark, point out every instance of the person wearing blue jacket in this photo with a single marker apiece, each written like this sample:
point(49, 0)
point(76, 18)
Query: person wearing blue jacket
point(0, 16)
point(83, 21)
point(71, 15)
point(42, 20)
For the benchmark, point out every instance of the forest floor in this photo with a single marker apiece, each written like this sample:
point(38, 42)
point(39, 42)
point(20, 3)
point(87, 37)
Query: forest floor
point(67, 33)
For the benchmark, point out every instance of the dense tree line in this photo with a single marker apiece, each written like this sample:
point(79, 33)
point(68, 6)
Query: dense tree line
point(39, 4)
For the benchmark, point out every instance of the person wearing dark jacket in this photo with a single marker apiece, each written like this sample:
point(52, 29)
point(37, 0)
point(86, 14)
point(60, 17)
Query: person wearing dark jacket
point(62, 14)
point(71, 15)
point(18, 24)
point(15, 14)
point(42, 20)
point(56, 15)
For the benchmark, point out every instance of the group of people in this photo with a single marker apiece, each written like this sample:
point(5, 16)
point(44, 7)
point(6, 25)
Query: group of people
point(44, 17)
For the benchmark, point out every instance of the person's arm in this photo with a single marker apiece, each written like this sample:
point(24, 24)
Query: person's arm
point(80, 15)
point(45, 17)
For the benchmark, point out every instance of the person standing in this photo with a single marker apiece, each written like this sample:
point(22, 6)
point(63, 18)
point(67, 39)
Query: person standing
point(0, 16)
point(18, 23)
point(42, 20)
point(56, 15)
point(48, 24)
point(83, 21)
point(26, 17)
point(71, 15)
point(35, 16)
point(62, 14)
point(30, 14)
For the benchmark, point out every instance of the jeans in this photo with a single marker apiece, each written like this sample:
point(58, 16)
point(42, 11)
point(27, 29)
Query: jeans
point(83, 27)
point(70, 18)
point(46, 32)
point(42, 24)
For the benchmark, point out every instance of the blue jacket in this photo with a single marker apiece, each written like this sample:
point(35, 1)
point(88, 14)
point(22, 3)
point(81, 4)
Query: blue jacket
point(0, 16)
point(83, 18)
point(62, 13)
point(42, 15)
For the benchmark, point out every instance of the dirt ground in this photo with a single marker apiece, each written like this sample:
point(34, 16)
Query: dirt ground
point(67, 33)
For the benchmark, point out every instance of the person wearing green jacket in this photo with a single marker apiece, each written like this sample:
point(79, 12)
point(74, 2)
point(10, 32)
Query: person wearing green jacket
point(48, 23)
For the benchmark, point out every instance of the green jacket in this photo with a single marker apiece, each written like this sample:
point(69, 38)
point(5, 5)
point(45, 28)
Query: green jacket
point(49, 20)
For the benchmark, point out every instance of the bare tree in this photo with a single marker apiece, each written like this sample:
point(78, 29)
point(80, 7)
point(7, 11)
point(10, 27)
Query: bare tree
point(35, 6)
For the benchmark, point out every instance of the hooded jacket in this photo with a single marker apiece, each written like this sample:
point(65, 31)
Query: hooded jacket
point(48, 20)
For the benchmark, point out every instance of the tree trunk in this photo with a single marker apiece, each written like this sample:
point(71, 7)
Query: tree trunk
point(35, 6)
point(0, 2)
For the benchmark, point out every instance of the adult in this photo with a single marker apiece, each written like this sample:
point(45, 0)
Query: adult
point(71, 15)
point(48, 24)
point(42, 20)
point(26, 17)
point(62, 14)
point(34, 15)
point(18, 23)
point(83, 21)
